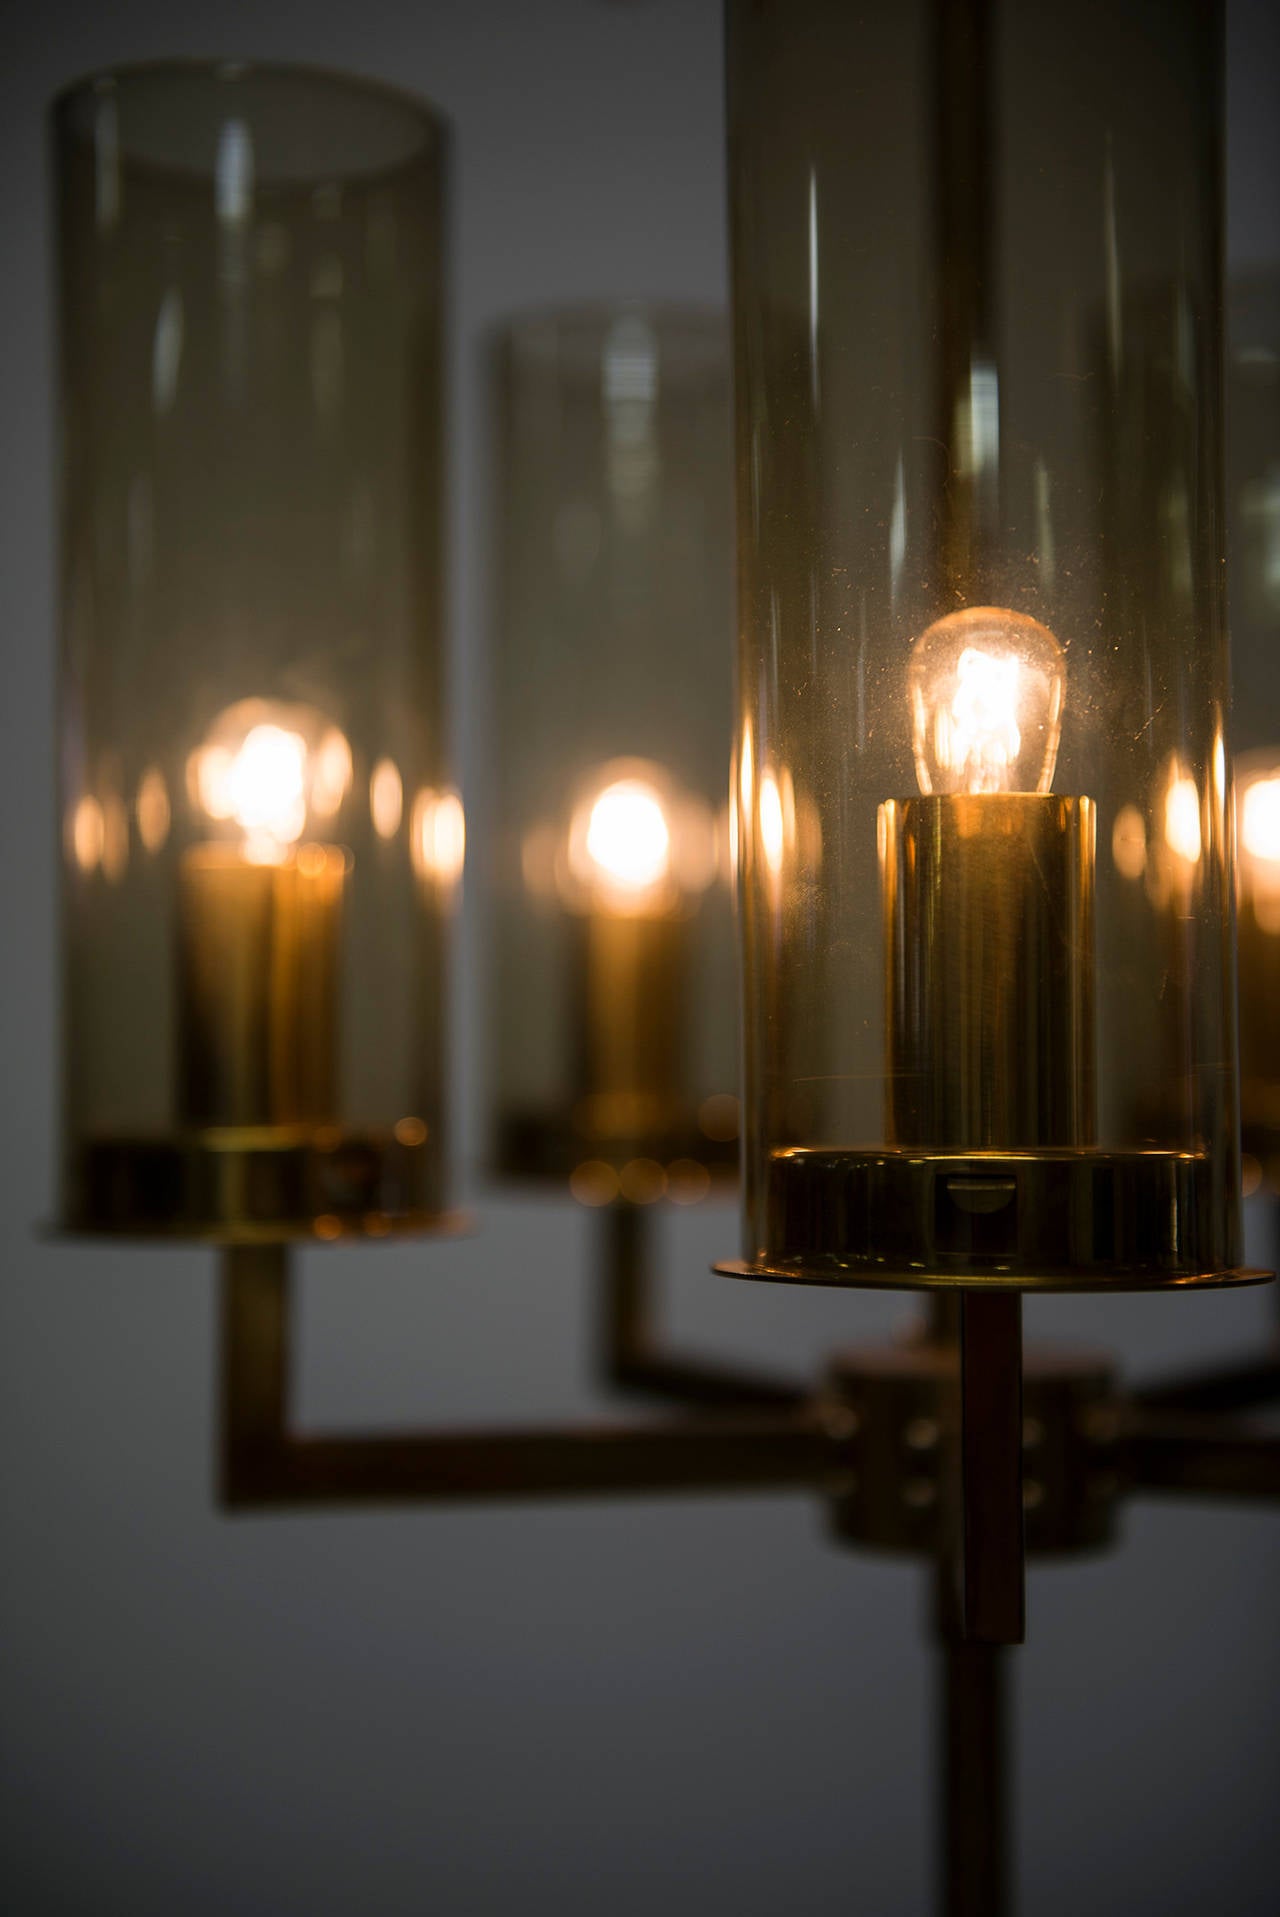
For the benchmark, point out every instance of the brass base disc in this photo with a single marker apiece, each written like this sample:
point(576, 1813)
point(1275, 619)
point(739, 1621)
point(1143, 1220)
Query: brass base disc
point(998, 1281)
point(548, 1146)
point(1052, 1220)
point(257, 1185)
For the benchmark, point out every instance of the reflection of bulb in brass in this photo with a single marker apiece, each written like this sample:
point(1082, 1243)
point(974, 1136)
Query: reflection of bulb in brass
point(986, 690)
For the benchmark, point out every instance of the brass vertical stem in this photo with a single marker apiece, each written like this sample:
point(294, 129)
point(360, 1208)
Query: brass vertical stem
point(626, 1306)
point(974, 1851)
point(994, 1582)
point(255, 1358)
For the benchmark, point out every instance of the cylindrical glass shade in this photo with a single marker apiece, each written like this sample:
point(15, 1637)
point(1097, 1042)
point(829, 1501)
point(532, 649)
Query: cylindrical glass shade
point(982, 784)
point(1253, 585)
point(259, 842)
point(613, 1011)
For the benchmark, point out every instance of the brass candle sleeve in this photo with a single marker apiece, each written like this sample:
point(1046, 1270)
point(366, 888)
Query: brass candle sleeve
point(989, 959)
point(630, 985)
point(259, 954)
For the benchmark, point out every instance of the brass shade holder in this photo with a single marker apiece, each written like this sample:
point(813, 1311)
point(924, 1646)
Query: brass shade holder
point(245, 1185)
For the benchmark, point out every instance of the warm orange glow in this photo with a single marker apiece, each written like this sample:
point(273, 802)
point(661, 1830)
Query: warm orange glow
point(88, 833)
point(1258, 825)
point(152, 809)
point(986, 688)
point(688, 1182)
point(386, 799)
point(115, 838)
point(330, 774)
point(594, 1182)
point(1182, 818)
point(636, 843)
point(267, 768)
point(438, 836)
point(266, 785)
point(1129, 842)
point(628, 840)
point(1260, 820)
point(772, 824)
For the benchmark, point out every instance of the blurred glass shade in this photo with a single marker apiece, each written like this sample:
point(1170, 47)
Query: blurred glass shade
point(1253, 586)
point(250, 298)
point(613, 1042)
point(982, 784)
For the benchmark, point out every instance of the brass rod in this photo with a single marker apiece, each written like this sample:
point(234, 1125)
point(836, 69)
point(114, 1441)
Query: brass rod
point(993, 1575)
point(705, 1456)
point(974, 1849)
point(254, 1358)
point(625, 1289)
point(1206, 1454)
point(1239, 1385)
point(632, 1355)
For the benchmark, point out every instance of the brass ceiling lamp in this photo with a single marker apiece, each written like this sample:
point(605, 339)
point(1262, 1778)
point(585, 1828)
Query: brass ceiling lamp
point(982, 643)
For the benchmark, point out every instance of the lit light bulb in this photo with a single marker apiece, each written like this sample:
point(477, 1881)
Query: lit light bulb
point(986, 690)
point(637, 844)
point(627, 836)
point(264, 768)
point(266, 784)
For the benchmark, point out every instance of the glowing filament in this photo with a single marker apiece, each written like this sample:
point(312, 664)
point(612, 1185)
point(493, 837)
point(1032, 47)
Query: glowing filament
point(976, 734)
point(986, 690)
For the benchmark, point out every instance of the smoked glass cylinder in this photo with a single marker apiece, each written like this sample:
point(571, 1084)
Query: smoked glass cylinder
point(613, 1041)
point(259, 845)
point(981, 771)
point(1253, 589)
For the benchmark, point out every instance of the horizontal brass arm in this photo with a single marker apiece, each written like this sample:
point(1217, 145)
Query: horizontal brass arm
point(1200, 1454)
point(693, 1456)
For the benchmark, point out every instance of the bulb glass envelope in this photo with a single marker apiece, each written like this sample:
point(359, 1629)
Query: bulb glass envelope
point(259, 844)
point(613, 1040)
point(981, 773)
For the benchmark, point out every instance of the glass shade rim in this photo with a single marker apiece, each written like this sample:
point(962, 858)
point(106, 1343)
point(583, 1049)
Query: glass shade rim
point(579, 329)
point(425, 129)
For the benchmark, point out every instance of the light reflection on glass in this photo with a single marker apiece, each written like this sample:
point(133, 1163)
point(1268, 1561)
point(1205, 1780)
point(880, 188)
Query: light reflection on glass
point(386, 798)
point(151, 809)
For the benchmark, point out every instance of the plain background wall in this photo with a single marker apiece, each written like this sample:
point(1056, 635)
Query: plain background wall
point(699, 1704)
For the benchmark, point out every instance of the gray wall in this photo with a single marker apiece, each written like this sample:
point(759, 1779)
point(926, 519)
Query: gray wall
point(700, 1705)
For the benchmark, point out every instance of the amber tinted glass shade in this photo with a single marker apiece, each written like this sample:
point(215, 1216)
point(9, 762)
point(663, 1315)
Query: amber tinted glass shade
point(981, 772)
point(1253, 584)
point(613, 1029)
point(259, 847)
